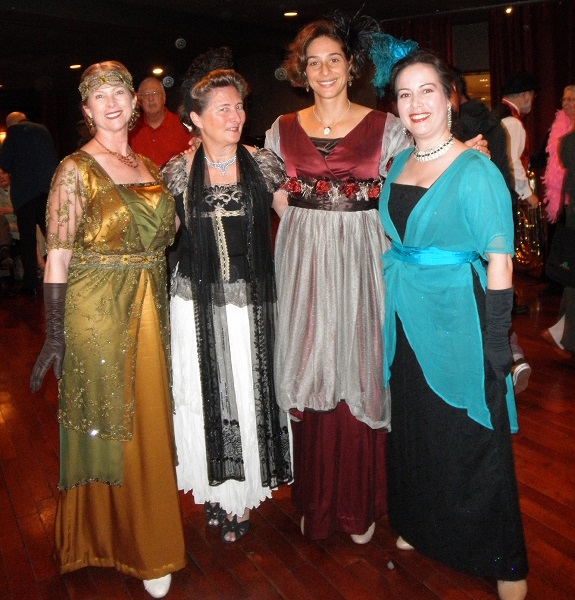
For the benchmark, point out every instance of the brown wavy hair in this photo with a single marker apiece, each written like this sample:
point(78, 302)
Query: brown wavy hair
point(296, 61)
point(353, 34)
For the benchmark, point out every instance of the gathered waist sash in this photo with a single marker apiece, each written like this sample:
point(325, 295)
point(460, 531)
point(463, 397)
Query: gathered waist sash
point(142, 260)
point(431, 256)
point(349, 195)
point(340, 205)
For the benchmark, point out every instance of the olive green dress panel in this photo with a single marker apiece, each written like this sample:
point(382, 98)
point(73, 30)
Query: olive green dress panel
point(135, 527)
point(121, 233)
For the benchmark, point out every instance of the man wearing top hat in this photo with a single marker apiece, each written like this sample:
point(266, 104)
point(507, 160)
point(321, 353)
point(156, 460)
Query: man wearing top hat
point(518, 94)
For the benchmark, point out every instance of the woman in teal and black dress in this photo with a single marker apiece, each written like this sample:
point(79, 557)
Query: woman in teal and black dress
point(452, 489)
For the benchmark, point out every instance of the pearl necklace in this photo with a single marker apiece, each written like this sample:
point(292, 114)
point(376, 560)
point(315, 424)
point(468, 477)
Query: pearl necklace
point(130, 160)
point(222, 166)
point(433, 153)
point(327, 128)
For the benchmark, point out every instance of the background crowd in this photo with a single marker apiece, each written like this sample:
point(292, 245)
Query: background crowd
point(313, 362)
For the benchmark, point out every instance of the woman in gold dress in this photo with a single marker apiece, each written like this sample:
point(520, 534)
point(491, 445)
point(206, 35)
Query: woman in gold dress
point(110, 218)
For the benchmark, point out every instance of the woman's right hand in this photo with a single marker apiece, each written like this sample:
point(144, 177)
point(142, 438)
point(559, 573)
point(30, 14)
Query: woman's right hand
point(54, 348)
point(195, 143)
point(55, 286)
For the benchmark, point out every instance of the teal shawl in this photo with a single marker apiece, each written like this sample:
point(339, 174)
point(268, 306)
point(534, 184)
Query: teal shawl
point(463, 216)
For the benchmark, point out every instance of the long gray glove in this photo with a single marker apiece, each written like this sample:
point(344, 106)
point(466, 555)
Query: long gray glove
point(498, 305)
point(52, 352)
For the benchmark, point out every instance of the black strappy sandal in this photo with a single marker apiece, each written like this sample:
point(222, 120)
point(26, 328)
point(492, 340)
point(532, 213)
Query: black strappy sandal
point(215, 515)
point(239, 529)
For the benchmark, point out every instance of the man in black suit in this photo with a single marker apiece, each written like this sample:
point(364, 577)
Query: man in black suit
point(29, 155)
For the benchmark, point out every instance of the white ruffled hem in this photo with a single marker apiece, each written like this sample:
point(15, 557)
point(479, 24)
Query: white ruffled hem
point(233, 496)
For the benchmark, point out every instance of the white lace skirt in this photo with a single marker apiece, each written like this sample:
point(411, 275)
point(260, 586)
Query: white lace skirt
point(233, 496)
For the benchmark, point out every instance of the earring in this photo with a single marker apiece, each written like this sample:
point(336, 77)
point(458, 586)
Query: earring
point(349, 80)
point(91, 125)
point(406, 132)
point(134, 117)
point(307, 87)
point(449, 120)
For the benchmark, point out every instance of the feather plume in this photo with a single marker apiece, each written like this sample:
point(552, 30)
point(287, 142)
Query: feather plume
point(356, 33)
point(555, 172)
point(385, 52)
point(212, 59)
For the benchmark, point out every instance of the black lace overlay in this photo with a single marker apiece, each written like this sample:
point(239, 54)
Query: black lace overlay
point(226, 258)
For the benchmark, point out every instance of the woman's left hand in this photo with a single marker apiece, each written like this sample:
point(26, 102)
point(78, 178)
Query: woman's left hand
point(280, 202)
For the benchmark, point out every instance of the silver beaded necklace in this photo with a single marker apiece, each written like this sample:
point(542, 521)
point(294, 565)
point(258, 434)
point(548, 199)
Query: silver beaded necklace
point(222, 167)
point(433, 153)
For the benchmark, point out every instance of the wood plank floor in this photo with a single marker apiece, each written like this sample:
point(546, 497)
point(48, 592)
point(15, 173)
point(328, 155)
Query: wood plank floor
point(274, 561)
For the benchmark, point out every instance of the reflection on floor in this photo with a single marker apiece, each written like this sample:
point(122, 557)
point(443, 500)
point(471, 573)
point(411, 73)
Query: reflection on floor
point(274, 560)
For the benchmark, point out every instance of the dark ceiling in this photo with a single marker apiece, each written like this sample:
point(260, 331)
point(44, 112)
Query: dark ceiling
point(39, 39)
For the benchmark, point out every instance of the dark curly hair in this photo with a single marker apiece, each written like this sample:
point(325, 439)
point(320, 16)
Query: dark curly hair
point(353, 34)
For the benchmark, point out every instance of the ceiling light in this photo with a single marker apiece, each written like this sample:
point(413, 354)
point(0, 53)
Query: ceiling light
point(509, 10)
point(157, 71)
point(75, 66)
point(290, 13)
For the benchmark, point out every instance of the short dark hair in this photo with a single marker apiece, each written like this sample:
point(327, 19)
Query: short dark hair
point(443, 70)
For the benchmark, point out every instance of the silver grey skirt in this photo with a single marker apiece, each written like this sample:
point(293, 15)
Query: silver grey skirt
point(329, 344)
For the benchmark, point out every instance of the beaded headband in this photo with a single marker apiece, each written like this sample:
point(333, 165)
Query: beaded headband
point(93, 82)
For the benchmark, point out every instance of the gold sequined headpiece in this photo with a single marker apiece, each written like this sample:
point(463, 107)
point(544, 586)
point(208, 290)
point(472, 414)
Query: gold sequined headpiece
point(93, 82)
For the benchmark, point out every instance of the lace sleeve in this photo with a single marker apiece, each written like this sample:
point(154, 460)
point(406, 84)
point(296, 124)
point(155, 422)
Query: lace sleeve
point(175, 174)
point(65, 206)
point(272, 168)
point(394, 141)
point(273, 137)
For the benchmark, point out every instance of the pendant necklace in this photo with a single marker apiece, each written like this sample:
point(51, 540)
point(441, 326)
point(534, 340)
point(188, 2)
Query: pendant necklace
point(130, 160)
point(222, 166)
point(327, 128)
point(433, 153)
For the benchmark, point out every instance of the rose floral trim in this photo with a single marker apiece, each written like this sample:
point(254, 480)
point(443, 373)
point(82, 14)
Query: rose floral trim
point(351, 188)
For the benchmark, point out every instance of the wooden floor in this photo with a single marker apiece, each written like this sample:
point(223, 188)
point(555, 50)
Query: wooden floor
point(274, 560)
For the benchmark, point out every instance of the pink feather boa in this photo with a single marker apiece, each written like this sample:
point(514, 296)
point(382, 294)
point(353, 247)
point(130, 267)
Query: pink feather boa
point(555, 172)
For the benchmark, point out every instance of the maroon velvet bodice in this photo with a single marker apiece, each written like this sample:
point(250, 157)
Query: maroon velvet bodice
point(356, 155)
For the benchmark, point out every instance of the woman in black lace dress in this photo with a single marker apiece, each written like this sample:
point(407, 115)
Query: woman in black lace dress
point(232, 439)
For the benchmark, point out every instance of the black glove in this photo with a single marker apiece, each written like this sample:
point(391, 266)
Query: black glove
point(498, 305)
point(55, 344)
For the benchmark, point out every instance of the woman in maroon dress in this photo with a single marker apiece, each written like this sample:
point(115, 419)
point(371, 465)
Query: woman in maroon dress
point(329, 366)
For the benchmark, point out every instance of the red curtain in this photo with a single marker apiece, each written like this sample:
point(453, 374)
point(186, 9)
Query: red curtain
point(431, 33)
point(539, 38)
